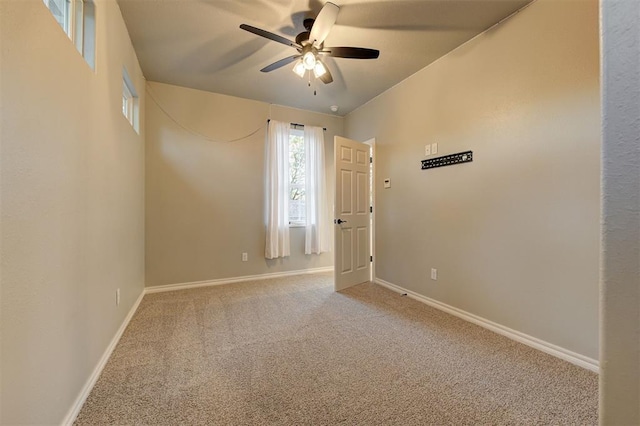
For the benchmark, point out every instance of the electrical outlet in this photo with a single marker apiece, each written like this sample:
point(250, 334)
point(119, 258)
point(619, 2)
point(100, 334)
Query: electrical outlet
point(245, 257)
point(434, 274)
point(427, 150)
point(118, 297)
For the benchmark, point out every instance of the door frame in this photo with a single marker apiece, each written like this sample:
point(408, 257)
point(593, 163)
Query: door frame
point(372, 246)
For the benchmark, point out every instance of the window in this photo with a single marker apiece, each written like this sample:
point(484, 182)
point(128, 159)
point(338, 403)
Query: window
point(127, 101)
point(60, 9)
point(297, 210)
point(130, 101)
point(295, 188)
point(86, 40)
point(77, 19)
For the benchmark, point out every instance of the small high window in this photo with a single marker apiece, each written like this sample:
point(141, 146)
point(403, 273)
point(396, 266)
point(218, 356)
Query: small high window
point(130, 101)
point(61, 10)
point(85, 37)
point(77, 18)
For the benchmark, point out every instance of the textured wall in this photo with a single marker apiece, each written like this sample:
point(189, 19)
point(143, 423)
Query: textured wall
point(72, 207)
point(205, 196)
point(514, 234)
point(620, 302)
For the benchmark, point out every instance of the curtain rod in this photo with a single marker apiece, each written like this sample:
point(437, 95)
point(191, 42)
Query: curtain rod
point(297, 124)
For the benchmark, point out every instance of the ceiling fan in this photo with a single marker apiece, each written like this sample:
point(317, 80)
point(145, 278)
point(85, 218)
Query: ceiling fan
point(310, 46)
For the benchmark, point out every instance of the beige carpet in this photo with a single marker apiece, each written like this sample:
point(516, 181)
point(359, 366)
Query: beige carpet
point(291, 351)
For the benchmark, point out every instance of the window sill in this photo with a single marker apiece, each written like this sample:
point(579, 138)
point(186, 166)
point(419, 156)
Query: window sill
point(297, 225)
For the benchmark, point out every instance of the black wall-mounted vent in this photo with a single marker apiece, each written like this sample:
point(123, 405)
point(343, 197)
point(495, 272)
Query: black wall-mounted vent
point(447, 160)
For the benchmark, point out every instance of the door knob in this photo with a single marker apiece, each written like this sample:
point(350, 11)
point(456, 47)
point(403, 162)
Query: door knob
point(339, 221)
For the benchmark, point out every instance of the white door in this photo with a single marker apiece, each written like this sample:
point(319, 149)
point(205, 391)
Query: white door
point(352, 218)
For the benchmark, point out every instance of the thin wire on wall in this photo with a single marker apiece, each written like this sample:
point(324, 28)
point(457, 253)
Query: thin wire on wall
point(193, 132)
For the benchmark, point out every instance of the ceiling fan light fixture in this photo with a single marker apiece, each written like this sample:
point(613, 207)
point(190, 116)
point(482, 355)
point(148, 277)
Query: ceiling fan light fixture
point(319, 70)
point(299, 69)
point(309, 60)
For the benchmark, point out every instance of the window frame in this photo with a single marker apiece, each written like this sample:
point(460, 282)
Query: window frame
point(127, 102)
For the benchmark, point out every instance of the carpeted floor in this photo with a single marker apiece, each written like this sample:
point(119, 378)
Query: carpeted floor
point(291, 351)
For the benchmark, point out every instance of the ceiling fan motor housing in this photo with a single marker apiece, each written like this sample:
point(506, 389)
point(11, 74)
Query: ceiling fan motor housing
point(308, 23)
point(303, 38)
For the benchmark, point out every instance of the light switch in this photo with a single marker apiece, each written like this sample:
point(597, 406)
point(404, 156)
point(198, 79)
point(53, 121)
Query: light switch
point(387, 183)
point(427, 150)
point(434, 148)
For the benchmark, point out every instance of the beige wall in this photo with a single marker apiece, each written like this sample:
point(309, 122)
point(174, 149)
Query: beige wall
point(205, 195)
point(620, 301)
point(514, 234)
point(72, 200)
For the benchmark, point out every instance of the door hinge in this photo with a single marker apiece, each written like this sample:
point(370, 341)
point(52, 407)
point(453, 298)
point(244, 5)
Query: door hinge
point(371, 258)
point(370, 209)
point(370, 160)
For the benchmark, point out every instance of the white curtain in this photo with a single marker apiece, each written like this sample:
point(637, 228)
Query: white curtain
point(317, 226)
point(277, 190)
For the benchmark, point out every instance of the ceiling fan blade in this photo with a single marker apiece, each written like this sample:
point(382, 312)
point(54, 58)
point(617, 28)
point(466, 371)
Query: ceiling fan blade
point(280, 63)
point(323, 24)
point(352, 52)
point(326, 78)
point(270, 36)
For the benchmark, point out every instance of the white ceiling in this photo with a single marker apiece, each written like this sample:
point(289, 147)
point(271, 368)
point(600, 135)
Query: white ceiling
point(198, 44)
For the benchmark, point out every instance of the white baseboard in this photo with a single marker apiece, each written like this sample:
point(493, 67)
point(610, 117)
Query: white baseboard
point(223, 281)
point(88, 386)
point(557, 351)
point(551, 349)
